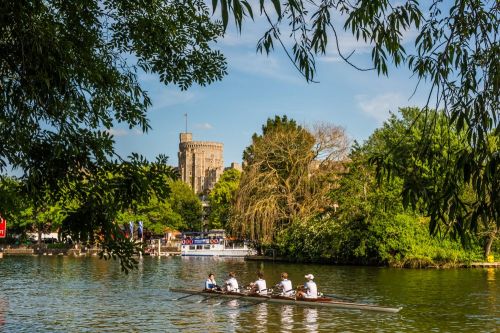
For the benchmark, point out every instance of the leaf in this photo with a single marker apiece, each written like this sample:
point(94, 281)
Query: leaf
point(277, 6)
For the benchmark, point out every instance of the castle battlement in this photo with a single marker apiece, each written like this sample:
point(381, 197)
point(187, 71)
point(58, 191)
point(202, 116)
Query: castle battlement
point(201, 144)
point(200, 162)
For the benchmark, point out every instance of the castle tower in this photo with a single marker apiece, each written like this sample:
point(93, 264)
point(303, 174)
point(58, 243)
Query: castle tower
point(200, 162)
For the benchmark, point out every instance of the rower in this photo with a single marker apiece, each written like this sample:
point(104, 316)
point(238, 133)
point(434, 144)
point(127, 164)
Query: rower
point(231, 284)
point(210, 283)
point(285, 285)
point(259, 286)
point(309, 290)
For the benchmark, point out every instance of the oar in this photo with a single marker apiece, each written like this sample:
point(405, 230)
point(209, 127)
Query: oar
point(252, 304)
point(227, 301)
point(232, 299)
point(340, 298)
point(205, 298)
point(179, 298)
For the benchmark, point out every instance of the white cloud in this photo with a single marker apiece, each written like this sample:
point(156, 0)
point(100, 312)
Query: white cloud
point(262, 65)
point(165, 97)
point(378, 106)
point(121, 132)
point(204, 126)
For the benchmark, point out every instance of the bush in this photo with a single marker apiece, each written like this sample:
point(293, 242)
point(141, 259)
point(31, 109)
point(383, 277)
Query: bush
point(402, 240)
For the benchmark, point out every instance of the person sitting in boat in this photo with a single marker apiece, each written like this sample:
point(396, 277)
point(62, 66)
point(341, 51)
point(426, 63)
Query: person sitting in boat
point(308, 290)
point(285, 285)
point(231, 284)
point(259, 286)
point(210, 283)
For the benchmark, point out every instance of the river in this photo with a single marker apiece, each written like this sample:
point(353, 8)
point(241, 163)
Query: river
point(66, 294)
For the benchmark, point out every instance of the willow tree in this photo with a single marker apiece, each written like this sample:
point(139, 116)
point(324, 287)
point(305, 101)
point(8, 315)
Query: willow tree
point(451, 47)
point(282, 181)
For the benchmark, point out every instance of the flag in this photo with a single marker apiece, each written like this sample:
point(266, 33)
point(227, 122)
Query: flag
point(139, 230)
point(131, 228)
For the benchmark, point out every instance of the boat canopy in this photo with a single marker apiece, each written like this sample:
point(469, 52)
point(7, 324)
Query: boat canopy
point(211, 234)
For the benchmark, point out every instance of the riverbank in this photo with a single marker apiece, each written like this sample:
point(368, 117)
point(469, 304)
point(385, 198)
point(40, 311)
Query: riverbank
point(76, 251)
point(436, 265)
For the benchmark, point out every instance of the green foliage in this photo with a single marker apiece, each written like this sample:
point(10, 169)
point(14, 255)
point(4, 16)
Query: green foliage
point(371, 227)
point(221, 199)
point(427, 160)
point(68, 74)
point(283, 180)
point(273, 186)
point(11, 202)
point(455, 50)
point(279, 123)
point(187, 204)
point(93, 204)
point(180, 211)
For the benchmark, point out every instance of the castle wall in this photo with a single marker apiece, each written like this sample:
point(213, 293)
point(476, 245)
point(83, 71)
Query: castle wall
point(200, 162)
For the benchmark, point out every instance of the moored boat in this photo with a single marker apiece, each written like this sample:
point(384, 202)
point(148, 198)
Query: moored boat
point(213, 243)
point(318, 302)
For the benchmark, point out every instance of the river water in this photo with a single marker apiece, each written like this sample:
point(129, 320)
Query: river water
point(65, 294)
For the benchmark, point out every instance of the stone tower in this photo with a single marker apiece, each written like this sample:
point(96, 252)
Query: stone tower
point(200, 162)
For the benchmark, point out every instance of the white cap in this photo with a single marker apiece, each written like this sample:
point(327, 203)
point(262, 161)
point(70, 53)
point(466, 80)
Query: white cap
point(309, 276)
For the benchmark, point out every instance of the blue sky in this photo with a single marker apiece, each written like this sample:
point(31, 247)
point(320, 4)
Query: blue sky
point(258, 87)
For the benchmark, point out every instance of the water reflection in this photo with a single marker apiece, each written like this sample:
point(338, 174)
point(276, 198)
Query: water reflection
point(88, 294)
point(492, 292)
point(311, 320)
point(4, 307)
point(490, 273)
point(286, 318)
point(233, 313)
point(261, 317)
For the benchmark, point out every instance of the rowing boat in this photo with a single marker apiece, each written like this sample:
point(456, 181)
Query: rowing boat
point(319, 302)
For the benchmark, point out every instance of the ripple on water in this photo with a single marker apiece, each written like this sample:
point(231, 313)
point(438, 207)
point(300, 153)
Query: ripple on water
point(62, 294)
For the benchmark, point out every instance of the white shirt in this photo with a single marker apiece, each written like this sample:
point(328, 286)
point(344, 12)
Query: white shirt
point(261, 286)
point(312, 289)
point(232, 285)
point(286, 287)
point(209, 284)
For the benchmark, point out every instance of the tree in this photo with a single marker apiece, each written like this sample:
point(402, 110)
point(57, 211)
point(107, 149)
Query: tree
point(370, 225)
point(156, 215)
point(455, 51)
point(11, 202)
point(221, 199)
point(68, 74)
point(185, 203)
point(281, 182)
point(93, 203)
point(429, 177)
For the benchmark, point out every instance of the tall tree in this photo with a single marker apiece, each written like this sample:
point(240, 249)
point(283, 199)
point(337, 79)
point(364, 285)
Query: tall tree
point(456, 51)
point(221, 199)
point(429, 177)
point(281, 182)
point(94, 202)
point(187, 204)
point(68, 74)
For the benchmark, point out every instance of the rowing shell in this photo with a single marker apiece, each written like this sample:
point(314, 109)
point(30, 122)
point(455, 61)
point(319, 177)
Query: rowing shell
point(321, 302)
